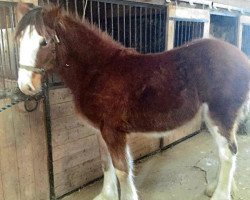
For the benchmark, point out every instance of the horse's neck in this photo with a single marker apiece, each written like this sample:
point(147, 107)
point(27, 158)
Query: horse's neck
point(82, 52)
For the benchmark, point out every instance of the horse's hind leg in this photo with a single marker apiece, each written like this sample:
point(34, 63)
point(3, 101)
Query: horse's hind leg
point(227, 147)
point(110, 189)
point(119, 151)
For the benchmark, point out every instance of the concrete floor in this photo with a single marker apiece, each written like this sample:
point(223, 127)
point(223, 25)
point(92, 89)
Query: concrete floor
point(182, 172)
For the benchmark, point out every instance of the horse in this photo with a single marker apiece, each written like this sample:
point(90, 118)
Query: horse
point(120, 91)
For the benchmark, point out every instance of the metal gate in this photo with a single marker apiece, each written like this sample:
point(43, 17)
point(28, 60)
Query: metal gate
point(8, 50)
point(225, 27)
point(187, 30)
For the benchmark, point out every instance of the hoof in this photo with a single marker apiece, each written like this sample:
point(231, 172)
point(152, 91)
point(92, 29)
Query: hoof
point(210, 189)
point(220, 196)
point(234, 190)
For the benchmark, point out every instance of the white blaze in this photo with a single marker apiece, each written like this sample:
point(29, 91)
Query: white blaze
point(29, 46)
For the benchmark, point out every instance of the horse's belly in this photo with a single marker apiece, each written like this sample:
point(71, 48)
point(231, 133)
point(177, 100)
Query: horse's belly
point(190, 126)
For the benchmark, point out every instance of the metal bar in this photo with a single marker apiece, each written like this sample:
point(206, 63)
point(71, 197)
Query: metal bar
point(83, 8)
point(146, 30)
point(8, 44)
point(177, 39)
point(91, 11)
point(186, 32)
point(3, 50)
point(124, 25)
point(181, 33)
point(188, 27)
point(2, 74)
point(150, 31)
point(135, 18)
point(12, 16)
point(118, 22)
point(193, 31)
point(98, 14)
point(140, 29)
point(76, 10)
point(130, 27)
point(155, 41)
point(160, 32)
point(47, 117)
point(200, 35)
point(67, 5)
point(105, 16)
point(112, 20)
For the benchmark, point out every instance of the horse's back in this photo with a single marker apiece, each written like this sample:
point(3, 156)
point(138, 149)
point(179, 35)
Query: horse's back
point(221, 74)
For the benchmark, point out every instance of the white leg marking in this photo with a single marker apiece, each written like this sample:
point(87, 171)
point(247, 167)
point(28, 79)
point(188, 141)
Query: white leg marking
point(128, 190)
point(227, 161)
point(109, 190)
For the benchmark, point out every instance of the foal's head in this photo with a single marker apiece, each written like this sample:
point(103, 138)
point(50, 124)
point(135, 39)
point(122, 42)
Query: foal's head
point(37, 47)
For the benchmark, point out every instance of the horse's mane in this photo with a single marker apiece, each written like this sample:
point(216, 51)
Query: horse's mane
point(50, 16)
point(32, 17)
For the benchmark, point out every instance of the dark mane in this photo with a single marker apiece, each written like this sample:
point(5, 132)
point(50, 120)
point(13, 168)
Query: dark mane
point(32, 17)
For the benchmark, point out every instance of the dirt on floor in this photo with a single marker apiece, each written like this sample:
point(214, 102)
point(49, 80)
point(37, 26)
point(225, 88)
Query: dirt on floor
point(182, 172)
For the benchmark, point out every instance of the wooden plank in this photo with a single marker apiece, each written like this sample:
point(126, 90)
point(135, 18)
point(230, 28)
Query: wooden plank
point(8, 157)
point(75, 159)
point(40, 153)
point(188, 13)
point(141, 145)
point(24, 154)
point(77, 176)
point(74, 147)
point(60, 96)
point(62, 110)
point(183, 131)
point(66, 123)
point(60, 137)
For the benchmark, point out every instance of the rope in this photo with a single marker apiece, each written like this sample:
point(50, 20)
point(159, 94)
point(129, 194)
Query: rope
point(7, 106)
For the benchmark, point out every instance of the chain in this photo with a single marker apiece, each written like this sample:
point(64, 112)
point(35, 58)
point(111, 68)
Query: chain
point(17, 96)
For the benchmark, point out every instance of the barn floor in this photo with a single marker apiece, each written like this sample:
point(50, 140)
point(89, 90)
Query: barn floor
point(182, 172)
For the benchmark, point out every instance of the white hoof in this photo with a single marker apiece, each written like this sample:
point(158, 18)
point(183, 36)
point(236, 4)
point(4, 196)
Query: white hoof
point(220, 196)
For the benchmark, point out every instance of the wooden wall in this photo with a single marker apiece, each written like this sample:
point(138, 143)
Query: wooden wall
point(23, 154)
point(76, 158)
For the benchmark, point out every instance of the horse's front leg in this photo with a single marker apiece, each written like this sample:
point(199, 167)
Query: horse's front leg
point(110, 189)
point(122, 161)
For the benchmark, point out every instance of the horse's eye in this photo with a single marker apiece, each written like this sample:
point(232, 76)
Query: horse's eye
point(43, 43)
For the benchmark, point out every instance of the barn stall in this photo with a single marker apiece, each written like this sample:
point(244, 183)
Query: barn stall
point(48, 153)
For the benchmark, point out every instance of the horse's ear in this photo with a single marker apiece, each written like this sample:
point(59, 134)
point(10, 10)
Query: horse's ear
point(52, 16)
point(22, 9)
